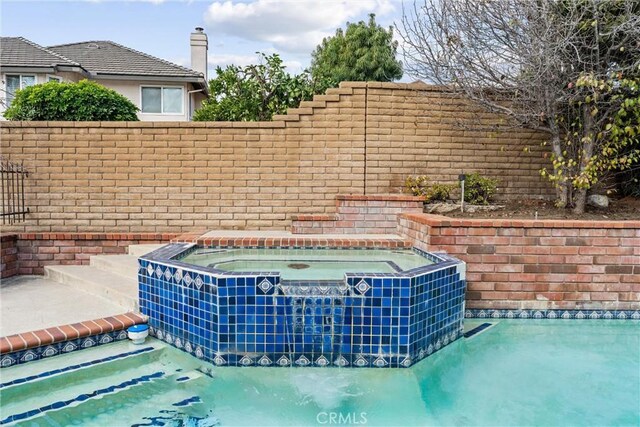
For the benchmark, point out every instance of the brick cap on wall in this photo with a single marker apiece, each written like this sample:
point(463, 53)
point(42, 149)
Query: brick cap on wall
point(62, 333)
point(444, 221)
point(381, 197)
point(91, 236)
point(279, 122)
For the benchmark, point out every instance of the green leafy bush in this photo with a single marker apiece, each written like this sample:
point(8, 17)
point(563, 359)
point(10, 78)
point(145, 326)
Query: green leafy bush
point(439, 192)
point(82, 101)
point(479, 190)
point(255, 92)
point(421, 186)
point(417, 185)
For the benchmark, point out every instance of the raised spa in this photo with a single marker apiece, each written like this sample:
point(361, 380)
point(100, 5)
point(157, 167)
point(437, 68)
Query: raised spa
point(303, 306)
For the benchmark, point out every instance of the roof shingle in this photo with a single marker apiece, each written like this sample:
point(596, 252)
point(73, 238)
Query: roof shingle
point(107, 57)
point(20, 52)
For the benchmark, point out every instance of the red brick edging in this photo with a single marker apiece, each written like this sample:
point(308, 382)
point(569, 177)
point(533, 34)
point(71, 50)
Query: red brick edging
point(27, 340)
point(445, 221)
point(381, 197)
point(276, 242)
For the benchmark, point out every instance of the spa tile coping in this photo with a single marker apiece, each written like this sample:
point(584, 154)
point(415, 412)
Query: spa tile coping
point(27, 340)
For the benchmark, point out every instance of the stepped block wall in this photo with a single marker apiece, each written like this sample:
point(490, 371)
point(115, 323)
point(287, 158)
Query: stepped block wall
point(159, 177)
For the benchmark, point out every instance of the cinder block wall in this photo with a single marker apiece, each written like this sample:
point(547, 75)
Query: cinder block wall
point(362, 138)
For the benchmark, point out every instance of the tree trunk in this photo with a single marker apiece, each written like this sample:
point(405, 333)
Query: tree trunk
point(580, 199)
point(562, 188)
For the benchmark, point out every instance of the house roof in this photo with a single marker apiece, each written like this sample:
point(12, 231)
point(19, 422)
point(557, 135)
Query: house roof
point(109, 58)
point(19, 52)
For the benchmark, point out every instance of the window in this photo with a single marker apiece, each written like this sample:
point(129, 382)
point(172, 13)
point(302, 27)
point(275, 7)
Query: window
point(162, 100)
point(15, 83)
point(54, 79)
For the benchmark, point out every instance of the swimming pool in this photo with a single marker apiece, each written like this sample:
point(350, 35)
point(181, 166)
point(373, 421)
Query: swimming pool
point(515, 372)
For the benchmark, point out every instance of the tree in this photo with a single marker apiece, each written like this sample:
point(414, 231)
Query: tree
point(82, 101)
point(255, 92)
point(363, 52)
point(564, 68)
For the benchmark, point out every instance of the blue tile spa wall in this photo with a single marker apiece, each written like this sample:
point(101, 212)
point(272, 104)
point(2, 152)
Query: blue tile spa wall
point(255, 319)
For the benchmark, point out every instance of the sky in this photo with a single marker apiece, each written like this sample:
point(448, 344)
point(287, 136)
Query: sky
point(236, 29)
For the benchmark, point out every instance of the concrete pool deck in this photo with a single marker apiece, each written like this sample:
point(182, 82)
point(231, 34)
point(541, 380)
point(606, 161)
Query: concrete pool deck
point(30, 303)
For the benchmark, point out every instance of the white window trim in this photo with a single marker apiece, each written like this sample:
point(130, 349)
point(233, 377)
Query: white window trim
point(20, 76)
point(162, 100)
point(51, 76)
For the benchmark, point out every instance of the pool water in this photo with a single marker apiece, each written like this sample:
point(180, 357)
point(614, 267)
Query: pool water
point(303, 264)
point(516, 372)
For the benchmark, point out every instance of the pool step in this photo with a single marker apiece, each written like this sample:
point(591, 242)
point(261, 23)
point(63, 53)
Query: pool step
point(140, 250)
point(119, 385)
point(124, 265)
point(118, 289)
point(77, 383)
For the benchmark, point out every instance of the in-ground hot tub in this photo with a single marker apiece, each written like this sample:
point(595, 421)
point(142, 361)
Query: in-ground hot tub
point(303, 306)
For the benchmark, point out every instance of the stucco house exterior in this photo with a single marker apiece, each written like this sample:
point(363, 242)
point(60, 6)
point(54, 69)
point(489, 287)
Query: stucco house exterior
point(163, 91)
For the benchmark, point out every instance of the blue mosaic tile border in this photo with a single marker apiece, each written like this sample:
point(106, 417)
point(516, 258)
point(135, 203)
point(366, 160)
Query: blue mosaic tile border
point(82, 397)
point(74, 367)
point(552, 314)
point(306, 360)
point(37, 353)
point(245, 319)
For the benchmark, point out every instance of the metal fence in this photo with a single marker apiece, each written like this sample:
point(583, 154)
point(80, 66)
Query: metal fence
point(13, 205)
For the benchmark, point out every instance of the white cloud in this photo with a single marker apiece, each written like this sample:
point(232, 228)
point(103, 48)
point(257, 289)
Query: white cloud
point(290, 26)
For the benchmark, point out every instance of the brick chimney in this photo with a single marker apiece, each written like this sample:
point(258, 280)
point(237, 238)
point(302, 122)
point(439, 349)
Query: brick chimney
point(199, 47)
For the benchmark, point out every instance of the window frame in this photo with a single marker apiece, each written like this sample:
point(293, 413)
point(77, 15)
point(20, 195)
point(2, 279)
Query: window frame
point(10, 97)
point(162, 87)
point(51, 77)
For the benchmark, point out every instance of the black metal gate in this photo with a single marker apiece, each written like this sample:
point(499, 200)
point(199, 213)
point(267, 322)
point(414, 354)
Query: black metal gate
point(12, 177)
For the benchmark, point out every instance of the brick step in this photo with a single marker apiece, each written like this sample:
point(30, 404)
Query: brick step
point(359, 214)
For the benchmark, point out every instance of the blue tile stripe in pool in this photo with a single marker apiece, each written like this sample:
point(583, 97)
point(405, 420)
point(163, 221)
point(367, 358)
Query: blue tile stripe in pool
point(476, 330)
point(255, 319)
point(82, 397)
point(74, 367)
point(552, 314)
point(63, 347)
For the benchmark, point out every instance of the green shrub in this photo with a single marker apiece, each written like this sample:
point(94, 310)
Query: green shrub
point(479, 190)
point(421, 186)
point(439, 192)
point(417, 185)
point(82, 101)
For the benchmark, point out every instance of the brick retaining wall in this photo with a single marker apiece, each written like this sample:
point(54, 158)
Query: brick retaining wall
point(31, 252)
point(361, 138)
point(359, 214)
point(9, 256)
point(546, 264)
